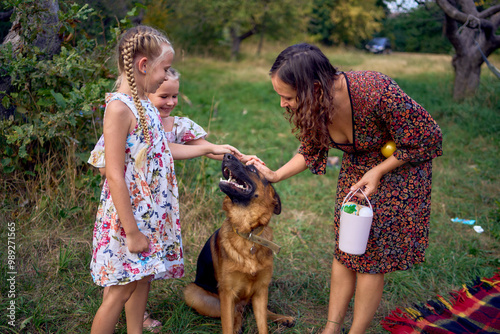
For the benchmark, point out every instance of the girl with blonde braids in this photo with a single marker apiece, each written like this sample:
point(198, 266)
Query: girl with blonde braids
point(137, 236)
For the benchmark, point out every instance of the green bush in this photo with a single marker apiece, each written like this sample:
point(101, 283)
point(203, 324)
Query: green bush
point(57, 99)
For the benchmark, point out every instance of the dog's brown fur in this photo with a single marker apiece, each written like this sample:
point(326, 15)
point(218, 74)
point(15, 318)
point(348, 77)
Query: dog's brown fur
point(241, 274)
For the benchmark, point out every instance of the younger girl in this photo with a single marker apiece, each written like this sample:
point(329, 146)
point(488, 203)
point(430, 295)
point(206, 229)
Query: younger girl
point(181, 130)
point(137, 232)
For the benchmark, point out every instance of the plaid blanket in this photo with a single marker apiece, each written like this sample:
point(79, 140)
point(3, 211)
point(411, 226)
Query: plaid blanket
point(473, 309)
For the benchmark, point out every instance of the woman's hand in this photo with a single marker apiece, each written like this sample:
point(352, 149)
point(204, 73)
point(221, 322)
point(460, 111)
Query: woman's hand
point(368, 183)
point(270, 175)
point(137, 242)
point(371, 180)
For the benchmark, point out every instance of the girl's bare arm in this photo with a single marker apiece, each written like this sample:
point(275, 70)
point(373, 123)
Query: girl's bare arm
point(118, 122)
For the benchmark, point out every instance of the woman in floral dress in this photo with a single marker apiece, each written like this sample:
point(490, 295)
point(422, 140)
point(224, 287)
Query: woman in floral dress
point(358, 112)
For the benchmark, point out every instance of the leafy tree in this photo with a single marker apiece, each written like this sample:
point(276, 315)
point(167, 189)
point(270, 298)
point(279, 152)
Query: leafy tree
point(47, 41)
point(202, 26)
point(189, 24)
point(105, 15)
point(471, 28)
point(418, 30)
point(57, 98)
point(356, 20)
point(321, 26)
point(346, 22)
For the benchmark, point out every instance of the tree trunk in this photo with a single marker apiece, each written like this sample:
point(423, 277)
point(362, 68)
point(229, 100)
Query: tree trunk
point(261, 42)
point(467, 76)
point(468, 30)
point(262, 32)
point(467, 63)
point(48, 40)
point(235, 44)
point(236, 40)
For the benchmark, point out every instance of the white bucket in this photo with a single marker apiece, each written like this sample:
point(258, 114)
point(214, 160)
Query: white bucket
point(354, 230)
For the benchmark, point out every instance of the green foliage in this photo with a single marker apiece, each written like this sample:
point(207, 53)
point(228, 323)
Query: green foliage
point(107, 14)
point(203, 27)
point(188, 23)
point(345, 22)
point(57, 99)
point(356, 20)
point(321, 26)
point(418, 30)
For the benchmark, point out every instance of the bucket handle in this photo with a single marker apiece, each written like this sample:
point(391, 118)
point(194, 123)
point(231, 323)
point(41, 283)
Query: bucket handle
point(351, 193)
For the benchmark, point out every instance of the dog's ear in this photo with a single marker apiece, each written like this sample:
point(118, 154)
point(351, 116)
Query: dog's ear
point(277, 204)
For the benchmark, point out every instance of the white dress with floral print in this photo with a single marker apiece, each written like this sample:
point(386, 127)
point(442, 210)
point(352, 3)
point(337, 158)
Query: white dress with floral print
point(154, 198)
point(183, 131)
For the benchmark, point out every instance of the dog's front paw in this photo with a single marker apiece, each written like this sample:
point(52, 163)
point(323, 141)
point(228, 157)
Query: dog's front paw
point(290, 322)
point(285, 321)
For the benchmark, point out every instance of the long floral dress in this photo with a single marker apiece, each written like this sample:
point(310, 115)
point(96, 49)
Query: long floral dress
point(183, 131)
point(381, 111)
point(154, 198)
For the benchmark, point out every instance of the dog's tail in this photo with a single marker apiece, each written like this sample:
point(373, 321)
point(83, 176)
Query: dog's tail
point(204, 302)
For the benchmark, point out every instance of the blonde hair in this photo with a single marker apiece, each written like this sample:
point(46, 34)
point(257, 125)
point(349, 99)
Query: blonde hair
point(173, 74)
point(147, 42)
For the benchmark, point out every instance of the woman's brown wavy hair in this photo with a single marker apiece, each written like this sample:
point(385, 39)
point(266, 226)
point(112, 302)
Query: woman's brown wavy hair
point(302, 66)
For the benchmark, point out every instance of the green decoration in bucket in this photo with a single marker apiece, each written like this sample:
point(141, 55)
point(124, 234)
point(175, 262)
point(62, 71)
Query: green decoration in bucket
point(350, 208)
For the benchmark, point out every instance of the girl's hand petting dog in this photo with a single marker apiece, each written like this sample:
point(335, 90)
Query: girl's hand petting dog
point(223, 149)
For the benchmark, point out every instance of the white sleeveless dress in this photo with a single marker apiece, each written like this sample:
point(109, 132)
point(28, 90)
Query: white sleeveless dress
point(154, 198)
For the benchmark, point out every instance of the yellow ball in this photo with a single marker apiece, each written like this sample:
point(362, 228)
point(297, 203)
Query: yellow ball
point(388, 149)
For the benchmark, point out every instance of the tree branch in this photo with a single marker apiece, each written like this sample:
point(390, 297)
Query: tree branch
point(461, 17)
point(489, 12)
point(249, 33)
point(495, 20)
point(451, 29)
point(495, 40)
point(468, 6)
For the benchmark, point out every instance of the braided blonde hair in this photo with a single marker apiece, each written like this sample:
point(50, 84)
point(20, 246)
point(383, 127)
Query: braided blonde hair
point(147, 42)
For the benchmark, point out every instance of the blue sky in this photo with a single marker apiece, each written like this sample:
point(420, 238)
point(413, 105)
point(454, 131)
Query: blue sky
point(401, 5)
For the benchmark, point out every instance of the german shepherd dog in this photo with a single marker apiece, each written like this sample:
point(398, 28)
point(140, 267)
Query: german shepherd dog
point(236, 264)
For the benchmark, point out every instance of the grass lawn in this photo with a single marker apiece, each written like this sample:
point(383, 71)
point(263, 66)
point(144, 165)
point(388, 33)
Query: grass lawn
point(53, 213)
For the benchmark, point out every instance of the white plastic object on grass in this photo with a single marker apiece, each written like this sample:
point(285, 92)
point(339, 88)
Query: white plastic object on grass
point(478, 229)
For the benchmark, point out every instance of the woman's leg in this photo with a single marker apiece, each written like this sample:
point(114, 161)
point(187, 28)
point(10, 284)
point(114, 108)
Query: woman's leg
point(369, 289)
point(136, 306)
point(342, 286)
point(112, 304)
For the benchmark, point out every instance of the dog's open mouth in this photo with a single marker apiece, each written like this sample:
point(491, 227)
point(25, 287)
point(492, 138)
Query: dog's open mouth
point(235, 183)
